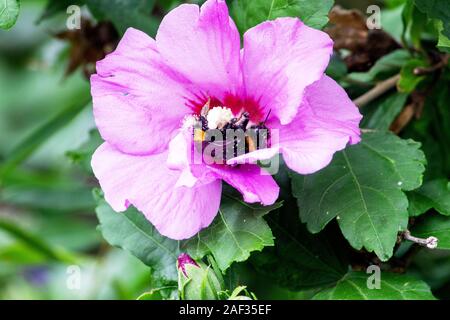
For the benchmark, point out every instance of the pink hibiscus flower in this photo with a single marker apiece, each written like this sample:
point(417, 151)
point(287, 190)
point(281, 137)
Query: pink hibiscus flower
point(147, 92)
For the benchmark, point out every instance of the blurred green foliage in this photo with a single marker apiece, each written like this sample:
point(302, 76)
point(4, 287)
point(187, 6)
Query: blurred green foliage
point(47, 219)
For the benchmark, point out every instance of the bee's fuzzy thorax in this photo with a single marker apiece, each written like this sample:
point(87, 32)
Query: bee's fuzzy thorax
point(219, 116)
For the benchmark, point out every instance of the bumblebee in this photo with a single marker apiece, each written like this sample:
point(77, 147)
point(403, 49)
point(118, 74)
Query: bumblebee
point(255, 137)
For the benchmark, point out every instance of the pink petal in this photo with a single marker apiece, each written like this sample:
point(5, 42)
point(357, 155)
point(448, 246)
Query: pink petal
point(203, 45)
point(331, 104)
point(280, 59)
point(253, 182)
point(138, 101)
point(146, 182)
point(255, 156)
point(325, 123)
point(180, 150)
point(181, 157)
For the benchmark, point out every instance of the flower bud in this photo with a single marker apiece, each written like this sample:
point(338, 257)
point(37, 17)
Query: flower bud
point(196, 281)
point(183, 260)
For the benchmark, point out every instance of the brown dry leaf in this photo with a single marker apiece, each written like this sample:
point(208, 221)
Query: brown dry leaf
point(89, 45)
point(349, 31)
point(413, 109)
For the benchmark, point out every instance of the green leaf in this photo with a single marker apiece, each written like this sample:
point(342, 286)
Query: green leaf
point(238, 229)
point(126, 13)
point(240, 293)
point(439, 12)
point(444, 44)
point(363, 189)
point(300, 260)
point(54, 7)
point(408, 80)
point(385, 112)
point(391, 20)
point(131, 231)
point(443, 41)
point(249, 13)
point(9, 12)
point(432, 266)
point(385, 67)
point(437, 9)
point(199, 283)
point(394, 3)
point(433, 128)
point(433, 194)
point(393, 287)
point(168, 5)
point(152, 295)
point(414, 22)
point(434, 225)
point(158, 293)
point(337, 68)
point(83, 154)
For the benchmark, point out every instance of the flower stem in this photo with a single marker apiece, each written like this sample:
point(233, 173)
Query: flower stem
point(430, 242)
point(377, 91)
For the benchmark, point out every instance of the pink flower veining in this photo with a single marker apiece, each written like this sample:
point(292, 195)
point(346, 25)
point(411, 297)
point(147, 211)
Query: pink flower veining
point(144, 91)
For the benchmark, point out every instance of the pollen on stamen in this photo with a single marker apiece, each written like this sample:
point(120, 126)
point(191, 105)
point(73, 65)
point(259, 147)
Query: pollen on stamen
point(219, 116)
